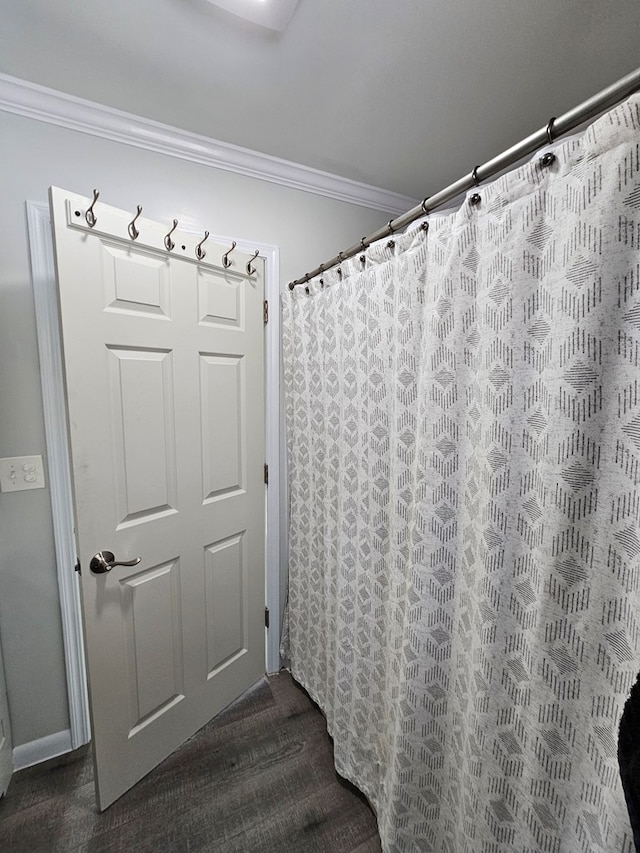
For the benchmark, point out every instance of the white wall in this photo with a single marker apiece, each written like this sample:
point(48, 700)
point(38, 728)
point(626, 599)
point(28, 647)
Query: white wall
point(34, 155)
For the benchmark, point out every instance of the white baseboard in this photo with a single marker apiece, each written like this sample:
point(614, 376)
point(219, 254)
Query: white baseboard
point(41, 749)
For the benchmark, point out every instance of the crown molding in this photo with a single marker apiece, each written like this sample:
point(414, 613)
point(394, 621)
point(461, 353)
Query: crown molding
point(23, 98)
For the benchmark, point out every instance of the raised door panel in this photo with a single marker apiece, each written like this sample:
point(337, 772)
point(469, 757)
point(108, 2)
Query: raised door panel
point(223, 424)
point(153, 630)
point(225, 585)
point(221, 300)
point(135, 282)
point(143, 433)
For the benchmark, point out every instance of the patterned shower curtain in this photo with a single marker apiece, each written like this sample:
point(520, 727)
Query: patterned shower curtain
point(463, 415)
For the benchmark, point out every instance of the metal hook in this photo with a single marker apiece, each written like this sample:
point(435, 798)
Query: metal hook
point(550, 129)
point(424, 227)
point(90, 215)
point(250, 269)
point(168, 242)
point(131, 228)
point(226, 263)
point(474, 176)
point(200, 253)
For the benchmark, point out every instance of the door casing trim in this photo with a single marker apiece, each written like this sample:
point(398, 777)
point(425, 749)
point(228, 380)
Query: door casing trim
point(59, 467)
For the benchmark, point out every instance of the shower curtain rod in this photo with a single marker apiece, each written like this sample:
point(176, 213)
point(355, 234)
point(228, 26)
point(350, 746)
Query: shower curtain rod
point(555, 128)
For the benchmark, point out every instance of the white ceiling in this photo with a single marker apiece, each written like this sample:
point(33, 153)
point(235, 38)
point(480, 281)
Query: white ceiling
point(406, 95)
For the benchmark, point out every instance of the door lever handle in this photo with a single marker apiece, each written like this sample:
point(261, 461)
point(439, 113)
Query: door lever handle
point(104, 561)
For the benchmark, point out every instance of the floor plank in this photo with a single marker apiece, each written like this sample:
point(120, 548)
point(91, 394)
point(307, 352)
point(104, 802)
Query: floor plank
point(260, 777)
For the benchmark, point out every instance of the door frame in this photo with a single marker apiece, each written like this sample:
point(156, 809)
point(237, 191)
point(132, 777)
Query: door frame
point(59, 467)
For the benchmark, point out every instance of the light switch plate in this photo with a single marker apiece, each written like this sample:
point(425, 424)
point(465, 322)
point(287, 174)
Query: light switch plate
point(21, 472)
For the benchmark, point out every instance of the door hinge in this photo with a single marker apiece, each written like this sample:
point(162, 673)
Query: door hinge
point(266, 617)
point(78, 567)
point(265, 312)
point(266, 474)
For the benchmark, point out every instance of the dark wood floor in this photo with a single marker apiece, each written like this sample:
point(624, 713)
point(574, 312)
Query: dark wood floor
point(258, 778)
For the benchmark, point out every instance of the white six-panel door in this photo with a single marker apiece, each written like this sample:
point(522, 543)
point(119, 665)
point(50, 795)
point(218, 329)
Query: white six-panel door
point(163, 357)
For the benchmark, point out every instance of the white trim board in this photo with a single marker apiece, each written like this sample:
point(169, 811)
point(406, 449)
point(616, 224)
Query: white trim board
point(58, 462)
point(52, 381)
point(274, 441)
point(43, 104)
point(41, 749)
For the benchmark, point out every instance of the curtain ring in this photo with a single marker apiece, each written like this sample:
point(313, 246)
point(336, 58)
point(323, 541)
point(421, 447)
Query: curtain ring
point(424, 205)
point(200, 252)
point(131, 227)
point(550, 130)
point(250, 269)
point(390, 226)
point(474, 176)
point(168, 242)
point(226, 263)
point(90, 215)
